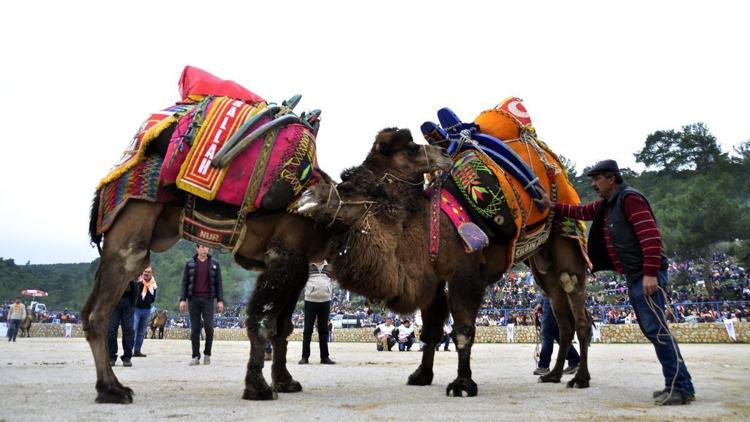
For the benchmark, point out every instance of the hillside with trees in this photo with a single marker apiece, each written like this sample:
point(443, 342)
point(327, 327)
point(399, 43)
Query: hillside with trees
point(69, 285)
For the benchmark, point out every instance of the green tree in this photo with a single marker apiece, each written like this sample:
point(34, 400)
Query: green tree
point(692, 222)
point(699, 148)
point(693, 148)
point(661, 151)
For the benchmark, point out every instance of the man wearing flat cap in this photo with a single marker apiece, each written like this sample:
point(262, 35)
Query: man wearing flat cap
point(624, 237)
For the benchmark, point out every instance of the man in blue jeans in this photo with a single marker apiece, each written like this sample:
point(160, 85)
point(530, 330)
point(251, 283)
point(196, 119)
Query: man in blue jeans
point(551, 334)
point(122, 315)
point(624, 237)
point(145, 291)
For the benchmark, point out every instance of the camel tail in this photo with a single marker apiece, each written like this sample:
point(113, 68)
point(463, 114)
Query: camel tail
point(96, 238)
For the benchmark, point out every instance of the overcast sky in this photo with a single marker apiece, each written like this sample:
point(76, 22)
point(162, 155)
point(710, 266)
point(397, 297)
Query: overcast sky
point(77, 79)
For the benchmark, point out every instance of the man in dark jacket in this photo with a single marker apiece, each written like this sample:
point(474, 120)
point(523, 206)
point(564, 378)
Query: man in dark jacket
point(550, 333)
point(201, 283)
point(624, 237)
point(145, 295)
point(122, 315)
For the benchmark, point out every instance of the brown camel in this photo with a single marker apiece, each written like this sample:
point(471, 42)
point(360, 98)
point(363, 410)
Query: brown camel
point(158, 322)
point(25, 326)
point(278, 243)
point(384, 256)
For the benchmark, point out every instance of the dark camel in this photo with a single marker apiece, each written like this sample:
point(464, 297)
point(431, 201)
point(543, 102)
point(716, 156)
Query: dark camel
point(25, 326)
point(280, 244)
point(384, 256)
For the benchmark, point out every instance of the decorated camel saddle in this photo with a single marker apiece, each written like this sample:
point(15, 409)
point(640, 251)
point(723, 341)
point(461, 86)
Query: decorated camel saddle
point(220, 143)
point(500, 167)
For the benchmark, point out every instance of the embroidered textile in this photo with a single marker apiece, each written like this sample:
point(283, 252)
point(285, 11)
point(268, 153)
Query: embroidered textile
point(215, 232)
point(223, 117)
point(473, 237)
point(139, 182)
point(149, 130)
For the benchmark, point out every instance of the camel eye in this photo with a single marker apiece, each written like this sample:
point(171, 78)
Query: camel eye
point(412, 148)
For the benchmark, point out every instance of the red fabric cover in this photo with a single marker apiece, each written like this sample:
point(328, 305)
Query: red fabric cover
point(198, 81)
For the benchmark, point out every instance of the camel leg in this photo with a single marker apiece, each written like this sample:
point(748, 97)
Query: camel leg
point(583, 322)
point(125, 254)
point(465, 295)
point(564, 317)
point(569, 263)
point(433, 317)
point(285, 271)
point(280, 376)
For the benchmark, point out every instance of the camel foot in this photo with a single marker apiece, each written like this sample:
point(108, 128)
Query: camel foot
point(460, 386)
point(116, 393)
point(263, 393)
point(420, 377)
point(578, 383)
point(550, 377)
point(290, 386)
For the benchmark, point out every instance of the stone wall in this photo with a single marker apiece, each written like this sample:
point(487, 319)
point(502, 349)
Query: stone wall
point(619, 333)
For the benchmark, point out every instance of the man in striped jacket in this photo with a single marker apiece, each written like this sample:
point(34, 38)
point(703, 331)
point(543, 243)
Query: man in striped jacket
point(624, 237)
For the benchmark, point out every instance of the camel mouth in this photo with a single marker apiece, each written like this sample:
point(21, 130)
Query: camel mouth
point(307, 202)
point(444, 163)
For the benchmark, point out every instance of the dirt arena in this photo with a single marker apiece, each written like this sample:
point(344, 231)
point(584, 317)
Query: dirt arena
point(53, 379)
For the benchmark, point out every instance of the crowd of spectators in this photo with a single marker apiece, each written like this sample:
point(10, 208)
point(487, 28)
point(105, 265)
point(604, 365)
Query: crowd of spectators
point(697, 294)
point(54, 317)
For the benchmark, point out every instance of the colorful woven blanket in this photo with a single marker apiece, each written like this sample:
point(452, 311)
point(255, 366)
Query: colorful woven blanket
point(223, 116)
point(140, 181)
point(268, 173)
point(149, 130)
point(510, 122)
point(282, 161)
point(495, 192)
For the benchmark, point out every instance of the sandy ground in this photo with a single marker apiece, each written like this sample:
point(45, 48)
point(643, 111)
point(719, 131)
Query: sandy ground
point(53, 379)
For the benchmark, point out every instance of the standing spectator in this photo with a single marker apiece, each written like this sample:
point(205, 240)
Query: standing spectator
point(145, 289)
point(122, 315)
point(551, 334)
point(624, 237)
point(405, 336)
point(16, 314)
point(201, 283)
point(317, 307)
point(384, 335)
point(447, 330)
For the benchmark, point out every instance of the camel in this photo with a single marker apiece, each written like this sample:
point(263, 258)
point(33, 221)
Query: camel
point(278, 243)
point(158, 322)
point(384, 256)
point(25, 326)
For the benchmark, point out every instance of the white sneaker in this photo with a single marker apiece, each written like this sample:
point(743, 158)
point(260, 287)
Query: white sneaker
point(195, 361)
point(207, 359)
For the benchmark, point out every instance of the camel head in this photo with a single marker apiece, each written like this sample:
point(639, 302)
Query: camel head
point(347, 202)
point(394, 152)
